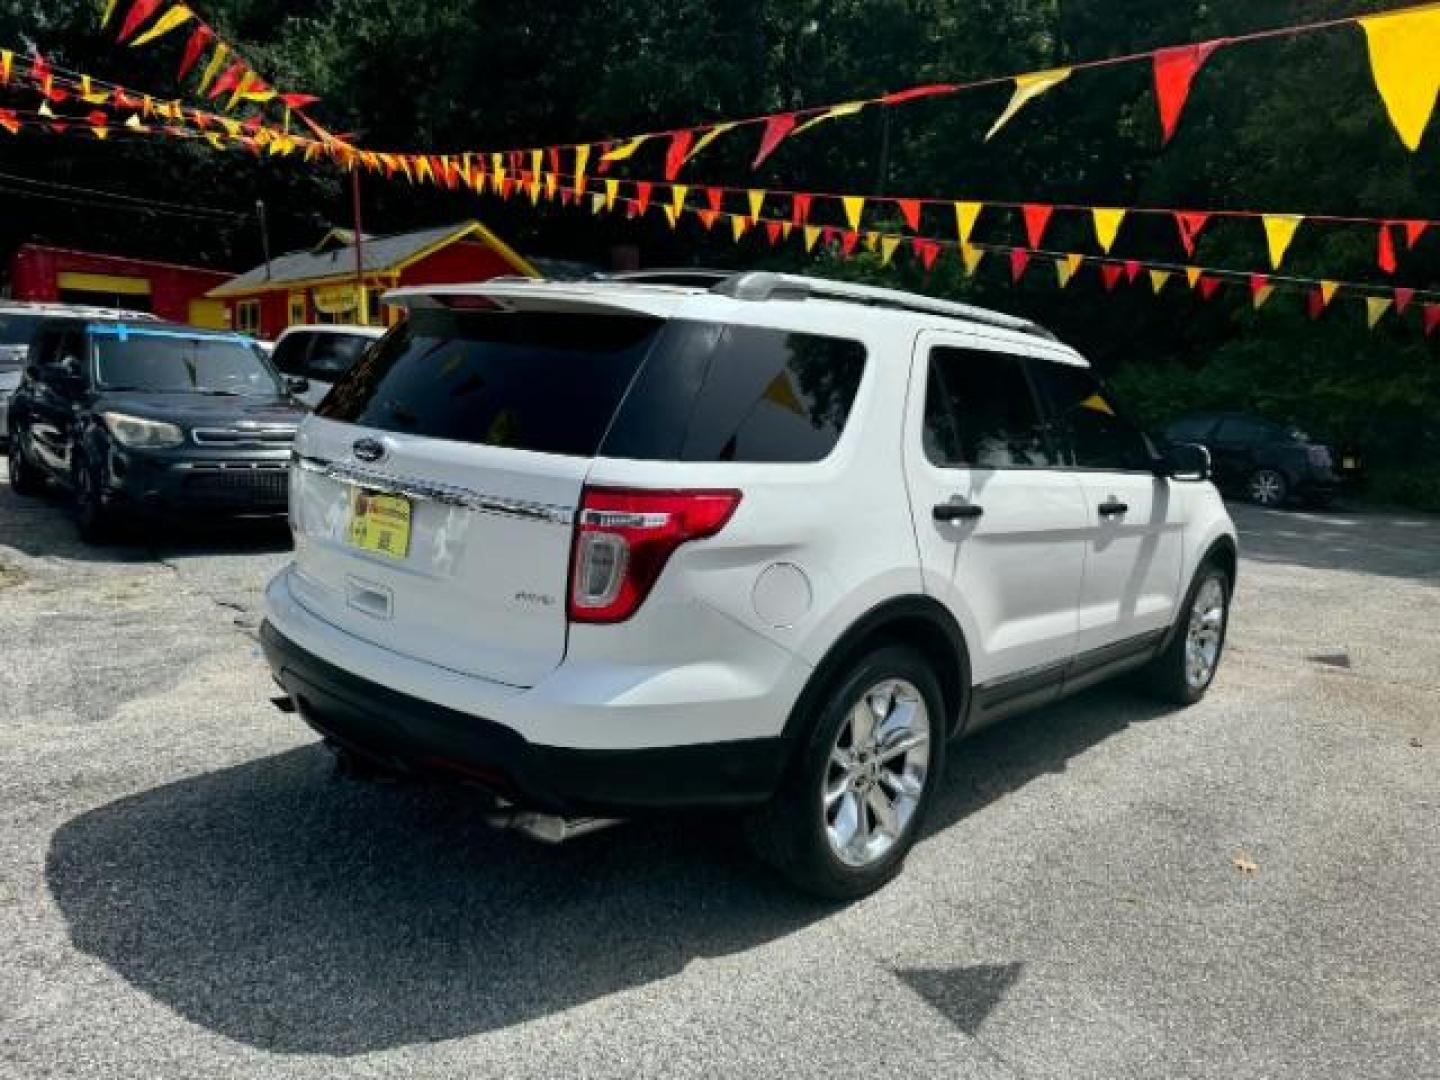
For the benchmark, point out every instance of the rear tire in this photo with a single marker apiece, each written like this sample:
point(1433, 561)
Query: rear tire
point(1182, 674)
point(24, 480)
point(857, 796)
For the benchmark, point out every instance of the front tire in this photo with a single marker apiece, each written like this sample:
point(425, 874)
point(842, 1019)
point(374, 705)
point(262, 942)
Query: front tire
point(853, 804)
point(1182, 674)
point(24, 480)
point(1267, 488)
point(93, 518)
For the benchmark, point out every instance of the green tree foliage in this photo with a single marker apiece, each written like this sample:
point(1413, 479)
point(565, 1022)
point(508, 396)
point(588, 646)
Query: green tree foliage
point(1285, 125)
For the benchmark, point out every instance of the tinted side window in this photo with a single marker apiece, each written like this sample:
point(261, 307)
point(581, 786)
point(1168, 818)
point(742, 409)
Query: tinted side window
point(1087, 419)
point(1193, 430)
point(980, 413)
point(1246, 432)
point(289, 355)
point(335, 354)
point(712, 392)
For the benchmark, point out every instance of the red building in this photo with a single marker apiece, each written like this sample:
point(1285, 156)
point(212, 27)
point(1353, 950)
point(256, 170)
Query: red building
point(321, 285)
point(177, 293)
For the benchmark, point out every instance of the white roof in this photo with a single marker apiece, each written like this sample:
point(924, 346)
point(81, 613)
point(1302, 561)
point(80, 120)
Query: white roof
point(349, 330)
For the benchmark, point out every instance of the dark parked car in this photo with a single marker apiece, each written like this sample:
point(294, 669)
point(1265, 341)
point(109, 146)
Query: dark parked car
point(136, 418)
point(1268, 463)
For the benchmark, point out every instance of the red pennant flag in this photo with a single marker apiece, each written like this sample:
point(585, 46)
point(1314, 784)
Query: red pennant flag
point(567, 196)
point(1413, 231)
point(40, 70)
point(776, 129)
point(602, 149)
point(1190, 223)
point(1019, 260)
point(680, 144)
point(1385, 256)
point(910, 211)
point(1110, 275)
point(828, 235)
point(1431, 314)
point(1175, 69)
point(1403, 297)
point(9, 121)
point(298, 101)
point(716, 197)
point(642, 197)
point(202, 37)
point(1315, 303)
point(927, 251)
point(1209, 286)
point(228, 80)
point(772, 232)
point(800, 210)
point(848, 239)
point(1037, 217)
point(1132, 270)
point(707, 218)
point(139, 12)
point(902, 96)
point(554, 155)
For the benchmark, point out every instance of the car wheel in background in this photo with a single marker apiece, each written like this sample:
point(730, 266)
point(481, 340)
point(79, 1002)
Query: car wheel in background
point(1267, 487)
point(1184, 671)
point(853, 804)
point(92, 518)
point(23, 477)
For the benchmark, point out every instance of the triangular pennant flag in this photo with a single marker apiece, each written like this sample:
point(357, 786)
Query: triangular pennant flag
point(107, 13)
point(217, 61)
point(582, 162)
point(773, 231)
point(89, 94)
point(1192, 275)
point(626, 150)
point(597, 203)
point(1260, 290)
point(1431, 315)
point(705, 140)
point(1027, 89)
point(176, 17)
point(140, 11)
point(707, 218)
point(927, 251)
point(872, 241)
point(1375, 309)
point(1019, 260)
point(1385, 251)
point(716, 198)
point(679, 152)
point(229, 79)
point(971, 257)
point(854, 207)
point(966, 215)
point(1403, 297)
point(7, 65)
point(812, 234)
point(1175, 70)
point(1315, 303)
point(612, 191)
point(1190, 223)
point(1209, 286)
point(643, 189)
point(756, 200)
point(738, 224)
point(1110, 274)
point(1037, 217)
point(910, 211)
point(199, 39)
point(1403, 46)
point(848, 240)
point(1279, 232)
point(1413, 231)
point(1159, 279)
point(671, 216)
point(786, 228)
point(800, 209)
point(1064, 271)
point(677, 198)
point(888, 246)
point(1107, 226)
point(848, 109)
point(776, 129)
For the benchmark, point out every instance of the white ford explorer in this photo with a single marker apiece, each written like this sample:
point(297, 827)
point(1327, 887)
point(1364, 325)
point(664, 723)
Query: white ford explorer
point(760, 542)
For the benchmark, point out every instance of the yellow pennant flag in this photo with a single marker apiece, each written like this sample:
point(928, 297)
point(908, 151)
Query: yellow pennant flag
point(738, 225)
point(1107, 226)
point(1158, 280)
point(971, 255)
point(854, 207)
point(850, 108)
point(612, 190)
point(215, 141)
point(672, 215)
point(7, 65)
point(966, 214)
point(1027, 89)
point(1279, 232)
point(177, 16)
point(708, 138)
point(756, 200)
point(1328, 289)
point(872, 241)
point(597, 203)
point(1260, 296)
point(582, 160)
point(537, 162)
point(626, 150)
point(677, 200)
point(1063, 272)
point(497, 174)
point(107, 12)
point(552, 185)
point(888, 246)
point(87, 92)
point(217, 61)
point(1375, 309)
point(1403, 47)
point(812, 235)
point(786, 228)
point(1192, 275)
point(423, 170)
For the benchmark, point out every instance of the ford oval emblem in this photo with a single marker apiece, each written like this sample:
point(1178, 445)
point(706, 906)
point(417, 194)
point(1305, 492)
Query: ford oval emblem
point(368, 450)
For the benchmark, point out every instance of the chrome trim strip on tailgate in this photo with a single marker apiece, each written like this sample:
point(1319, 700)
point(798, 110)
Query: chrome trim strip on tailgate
point(430, 491)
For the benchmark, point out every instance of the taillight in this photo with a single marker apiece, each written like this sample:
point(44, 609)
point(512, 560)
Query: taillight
point(623, 539)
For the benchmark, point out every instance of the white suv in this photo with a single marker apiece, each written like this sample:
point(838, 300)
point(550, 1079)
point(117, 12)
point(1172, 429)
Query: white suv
point(608, 548)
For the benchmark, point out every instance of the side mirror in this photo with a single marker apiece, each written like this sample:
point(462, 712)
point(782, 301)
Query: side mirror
point(297, 384)
point(1187, 462)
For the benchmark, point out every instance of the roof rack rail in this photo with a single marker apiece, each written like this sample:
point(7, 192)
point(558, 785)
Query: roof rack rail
point(764, 285)
point(685, 277)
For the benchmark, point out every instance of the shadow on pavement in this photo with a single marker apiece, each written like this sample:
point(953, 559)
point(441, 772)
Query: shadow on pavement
point(297, 913)
point(1388, 543)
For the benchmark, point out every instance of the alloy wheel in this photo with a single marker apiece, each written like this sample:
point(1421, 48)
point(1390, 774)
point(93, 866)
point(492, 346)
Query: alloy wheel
point(877, 772)
point(1203, 637)
point(1267, 488)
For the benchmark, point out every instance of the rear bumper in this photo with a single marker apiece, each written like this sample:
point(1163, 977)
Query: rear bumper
point(415, 735)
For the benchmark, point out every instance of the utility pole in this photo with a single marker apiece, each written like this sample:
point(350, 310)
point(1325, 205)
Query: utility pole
point(264, 235)
point(362, 302)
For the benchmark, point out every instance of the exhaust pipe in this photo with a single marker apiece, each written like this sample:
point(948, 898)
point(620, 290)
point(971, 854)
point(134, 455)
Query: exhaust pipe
point(549, 828)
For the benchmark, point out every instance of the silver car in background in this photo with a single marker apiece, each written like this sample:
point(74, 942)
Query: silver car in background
point(321, 354)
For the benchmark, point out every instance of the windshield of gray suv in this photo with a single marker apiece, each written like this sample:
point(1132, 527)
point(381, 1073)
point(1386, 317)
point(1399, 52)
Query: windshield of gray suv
point(170, 362)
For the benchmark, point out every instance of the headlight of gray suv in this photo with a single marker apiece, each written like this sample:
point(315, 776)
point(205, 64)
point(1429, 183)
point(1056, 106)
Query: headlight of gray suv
point(137, 433)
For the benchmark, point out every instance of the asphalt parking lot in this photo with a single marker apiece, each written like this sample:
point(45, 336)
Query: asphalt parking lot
point(1248, 888)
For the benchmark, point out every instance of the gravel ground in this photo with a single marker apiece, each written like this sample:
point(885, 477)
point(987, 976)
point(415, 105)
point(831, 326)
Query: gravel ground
point(1244, 889)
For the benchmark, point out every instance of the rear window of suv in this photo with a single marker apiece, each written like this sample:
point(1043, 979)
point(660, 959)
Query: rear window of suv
point(625, 386)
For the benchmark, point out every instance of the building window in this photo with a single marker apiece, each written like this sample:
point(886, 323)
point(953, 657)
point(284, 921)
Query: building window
point(247, 316)
point(297, 309)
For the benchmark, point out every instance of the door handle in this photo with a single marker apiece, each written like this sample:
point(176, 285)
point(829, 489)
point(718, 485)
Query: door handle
point(1113, 509)
point(950, 512)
